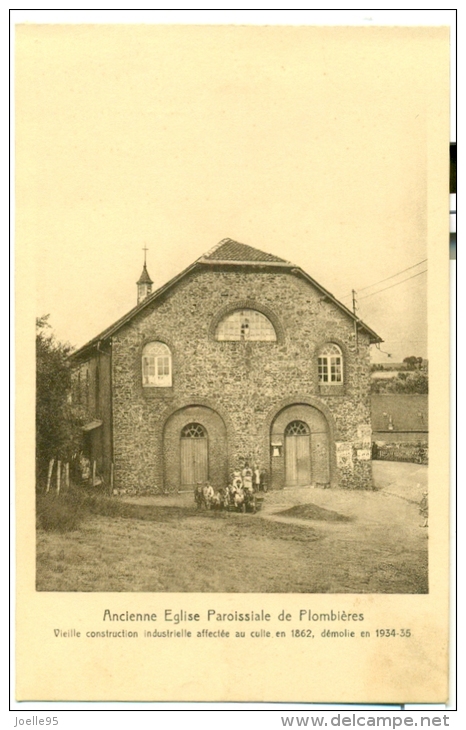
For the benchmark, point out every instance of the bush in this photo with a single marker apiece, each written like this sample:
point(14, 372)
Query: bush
point(408, 383)
point(60, 513)
point(415, 452)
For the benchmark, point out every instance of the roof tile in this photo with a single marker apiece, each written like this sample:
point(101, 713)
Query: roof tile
point(229, 250)
point(225, 251)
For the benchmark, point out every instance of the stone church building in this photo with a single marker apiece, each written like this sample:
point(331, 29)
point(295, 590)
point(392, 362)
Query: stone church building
point(242, 356)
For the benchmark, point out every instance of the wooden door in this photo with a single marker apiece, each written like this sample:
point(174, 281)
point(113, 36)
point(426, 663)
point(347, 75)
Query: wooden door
point(297, 454)
point(194, 455)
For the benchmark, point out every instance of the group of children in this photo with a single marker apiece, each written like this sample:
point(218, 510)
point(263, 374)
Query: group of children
point(243, 484)
point(251, 479)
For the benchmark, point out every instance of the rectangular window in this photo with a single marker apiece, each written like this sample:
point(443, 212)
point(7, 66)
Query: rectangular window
point(148, 370)
point(163, 367)
point(323, 370)
point(335, 370)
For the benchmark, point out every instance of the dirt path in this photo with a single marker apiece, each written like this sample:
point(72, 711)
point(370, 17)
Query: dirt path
point(302, 541)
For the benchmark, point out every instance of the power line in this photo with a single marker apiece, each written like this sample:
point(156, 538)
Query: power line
point(396, 284)
point(393, 275)
point(346, 296)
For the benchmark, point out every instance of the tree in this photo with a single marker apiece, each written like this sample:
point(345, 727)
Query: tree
point(412, 362)
point(58, 432)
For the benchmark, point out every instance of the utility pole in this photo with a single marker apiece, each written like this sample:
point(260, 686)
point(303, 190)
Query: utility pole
point(355, 309)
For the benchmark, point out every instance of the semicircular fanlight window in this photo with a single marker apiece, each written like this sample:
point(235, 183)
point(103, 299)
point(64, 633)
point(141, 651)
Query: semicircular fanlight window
point(246, 324)
point(297, 428)
point(193, 431)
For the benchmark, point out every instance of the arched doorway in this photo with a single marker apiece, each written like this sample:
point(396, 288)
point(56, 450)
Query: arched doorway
point(300, 447)
point(194, 455)
point(297, 454)
point(194, 448)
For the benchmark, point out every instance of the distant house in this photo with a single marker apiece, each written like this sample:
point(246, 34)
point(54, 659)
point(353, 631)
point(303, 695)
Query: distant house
point(241, 357)
point(398, 417)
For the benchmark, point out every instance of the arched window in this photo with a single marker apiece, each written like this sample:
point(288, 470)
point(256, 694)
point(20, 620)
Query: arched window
point(156, 365)
point(330, 364)
point(193, 431)
point(246, 324)
point(297, 428)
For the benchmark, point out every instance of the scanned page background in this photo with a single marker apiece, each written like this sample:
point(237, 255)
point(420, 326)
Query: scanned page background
point(80, 226)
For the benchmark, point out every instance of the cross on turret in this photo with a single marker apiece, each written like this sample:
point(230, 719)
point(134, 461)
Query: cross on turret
point(144, 283)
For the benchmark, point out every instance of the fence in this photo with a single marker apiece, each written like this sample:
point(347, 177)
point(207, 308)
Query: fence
point(81, 471)
point(415, 452)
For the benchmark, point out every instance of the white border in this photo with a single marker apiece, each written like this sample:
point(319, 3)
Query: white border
point(257, 714)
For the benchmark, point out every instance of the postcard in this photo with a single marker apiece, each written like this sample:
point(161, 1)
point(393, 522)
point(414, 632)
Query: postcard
point(232, 287)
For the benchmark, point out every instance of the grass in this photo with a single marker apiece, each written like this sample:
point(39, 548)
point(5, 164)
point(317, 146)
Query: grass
point(60, 512)
point(303, 541)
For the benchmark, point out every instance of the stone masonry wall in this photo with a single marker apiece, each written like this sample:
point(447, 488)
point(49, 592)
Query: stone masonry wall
point(246, 383)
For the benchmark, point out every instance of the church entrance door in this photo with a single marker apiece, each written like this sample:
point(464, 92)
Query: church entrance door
point(297, 454)
point(194, 455)
point(300, 447)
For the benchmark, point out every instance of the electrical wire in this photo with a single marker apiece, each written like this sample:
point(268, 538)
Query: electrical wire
point(346, 296)
point(393, 275)
point(392, 285)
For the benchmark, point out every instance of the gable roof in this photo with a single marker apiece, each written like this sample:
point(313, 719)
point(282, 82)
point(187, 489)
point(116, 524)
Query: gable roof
point(228, 250)
point(408, 412)
point(225, 253)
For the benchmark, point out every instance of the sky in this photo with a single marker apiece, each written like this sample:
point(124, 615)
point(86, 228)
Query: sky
point(307, 143)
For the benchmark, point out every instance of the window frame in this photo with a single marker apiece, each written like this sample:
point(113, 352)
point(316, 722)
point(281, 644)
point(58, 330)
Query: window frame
point(241, 304)
point(198, 427)
point(246, 313)
point(156, 367)
point(327, 365)
point(297, 427)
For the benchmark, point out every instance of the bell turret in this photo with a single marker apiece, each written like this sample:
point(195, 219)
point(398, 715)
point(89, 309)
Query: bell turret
point(144, 282)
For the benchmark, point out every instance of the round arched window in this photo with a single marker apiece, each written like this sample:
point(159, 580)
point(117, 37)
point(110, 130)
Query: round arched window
point(156, 365)
point(330, 364)
point(246, 324)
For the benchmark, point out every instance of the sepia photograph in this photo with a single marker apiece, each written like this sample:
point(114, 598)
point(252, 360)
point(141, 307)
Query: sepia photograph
point(227, 247)
point(236, 416)
point(239, 412)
